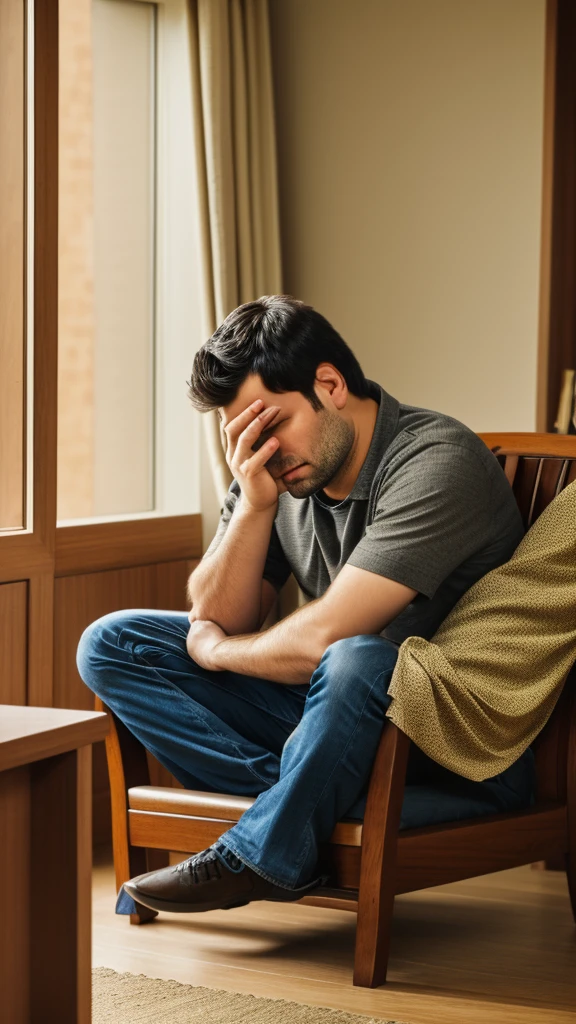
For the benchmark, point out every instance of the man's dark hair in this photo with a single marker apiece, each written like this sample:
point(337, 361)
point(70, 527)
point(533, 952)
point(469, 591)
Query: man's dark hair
point(279, 338)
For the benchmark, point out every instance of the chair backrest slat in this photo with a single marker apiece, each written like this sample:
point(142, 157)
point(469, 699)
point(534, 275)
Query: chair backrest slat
point(538, 467)
point(549, 484)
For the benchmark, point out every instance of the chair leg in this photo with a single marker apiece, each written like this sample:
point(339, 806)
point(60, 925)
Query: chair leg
point(378, 859)
point(373, 946)
point(127, 767)
point(571, 876)
point(152, 860)
point(142, 914)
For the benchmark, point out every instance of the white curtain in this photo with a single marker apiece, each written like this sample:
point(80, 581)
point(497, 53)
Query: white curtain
point(235, 143)
point(237, 174)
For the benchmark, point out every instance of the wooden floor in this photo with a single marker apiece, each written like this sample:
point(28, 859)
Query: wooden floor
point(501, 948)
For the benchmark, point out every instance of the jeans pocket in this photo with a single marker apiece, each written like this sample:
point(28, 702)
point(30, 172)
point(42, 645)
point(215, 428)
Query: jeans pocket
point(156, 657)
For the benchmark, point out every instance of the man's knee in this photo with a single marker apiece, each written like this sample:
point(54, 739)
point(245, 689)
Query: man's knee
point(353, 665)
point(97, 644)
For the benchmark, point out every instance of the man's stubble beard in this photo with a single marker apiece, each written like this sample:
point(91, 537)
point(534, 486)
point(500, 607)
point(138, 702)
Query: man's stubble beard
point(330, 451)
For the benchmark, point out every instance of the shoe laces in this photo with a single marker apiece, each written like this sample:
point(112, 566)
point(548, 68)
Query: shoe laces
point(202, 867)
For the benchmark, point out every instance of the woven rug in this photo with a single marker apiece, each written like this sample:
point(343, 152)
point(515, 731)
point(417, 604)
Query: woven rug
point(136, 999)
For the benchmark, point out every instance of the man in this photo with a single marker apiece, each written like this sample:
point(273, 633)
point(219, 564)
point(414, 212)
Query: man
point(386, 514)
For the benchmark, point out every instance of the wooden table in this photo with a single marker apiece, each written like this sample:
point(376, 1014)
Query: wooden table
point(46, 863)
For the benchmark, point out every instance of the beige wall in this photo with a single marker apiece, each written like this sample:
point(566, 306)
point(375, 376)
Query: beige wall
point(410, 142)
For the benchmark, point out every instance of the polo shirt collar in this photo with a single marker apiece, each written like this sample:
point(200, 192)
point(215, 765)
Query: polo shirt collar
point(385, 430)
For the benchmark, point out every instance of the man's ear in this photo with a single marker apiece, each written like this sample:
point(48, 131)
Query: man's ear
point(332, 383)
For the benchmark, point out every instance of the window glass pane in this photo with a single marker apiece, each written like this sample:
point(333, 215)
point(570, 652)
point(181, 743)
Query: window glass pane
point(12, 265)
point(107, 259)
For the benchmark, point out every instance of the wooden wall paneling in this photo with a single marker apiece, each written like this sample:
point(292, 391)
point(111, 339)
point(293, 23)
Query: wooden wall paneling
point(22, 555)
point(13, 639)
point(92, 547)
point(80, 600)
point(41, 640)
point(170, 584)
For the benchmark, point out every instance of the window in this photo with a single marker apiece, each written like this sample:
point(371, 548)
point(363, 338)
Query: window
point(130, 304)
point(16, 213)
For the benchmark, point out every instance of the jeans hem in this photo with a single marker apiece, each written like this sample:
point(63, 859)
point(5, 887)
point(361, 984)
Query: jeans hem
point(258, 870)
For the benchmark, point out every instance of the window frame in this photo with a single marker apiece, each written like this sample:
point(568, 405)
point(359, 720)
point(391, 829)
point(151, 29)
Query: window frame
point(177, 313)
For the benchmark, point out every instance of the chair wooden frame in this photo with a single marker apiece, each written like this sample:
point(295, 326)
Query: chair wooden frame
point(370, 862)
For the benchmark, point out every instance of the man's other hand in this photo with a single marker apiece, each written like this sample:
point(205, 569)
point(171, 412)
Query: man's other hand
point(203, 637)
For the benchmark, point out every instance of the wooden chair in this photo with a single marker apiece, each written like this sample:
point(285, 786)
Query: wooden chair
point(370, 861)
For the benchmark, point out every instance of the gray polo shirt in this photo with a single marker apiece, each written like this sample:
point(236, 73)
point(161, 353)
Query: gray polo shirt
point(430, 508)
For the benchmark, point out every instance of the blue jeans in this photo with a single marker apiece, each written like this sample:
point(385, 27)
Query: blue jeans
point(304, 751)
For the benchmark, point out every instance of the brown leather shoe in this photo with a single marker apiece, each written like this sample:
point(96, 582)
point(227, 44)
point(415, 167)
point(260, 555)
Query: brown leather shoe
point(206, 882)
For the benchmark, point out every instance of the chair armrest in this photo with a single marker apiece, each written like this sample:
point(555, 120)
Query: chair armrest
point(378, 857)
point(385, 793)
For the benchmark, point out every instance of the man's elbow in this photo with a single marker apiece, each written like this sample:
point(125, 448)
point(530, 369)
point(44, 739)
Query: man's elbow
point(232, 625)
point(324, 638)
point(190, 592)
point(319, 641)
point(194, 585)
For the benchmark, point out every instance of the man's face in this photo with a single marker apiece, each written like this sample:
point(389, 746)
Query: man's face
point(317, 442)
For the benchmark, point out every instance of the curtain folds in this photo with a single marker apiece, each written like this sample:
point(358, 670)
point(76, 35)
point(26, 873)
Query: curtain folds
point(237, 174)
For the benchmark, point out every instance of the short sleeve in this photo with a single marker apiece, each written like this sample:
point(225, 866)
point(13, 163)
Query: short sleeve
point(432, 513)
point(276, 567)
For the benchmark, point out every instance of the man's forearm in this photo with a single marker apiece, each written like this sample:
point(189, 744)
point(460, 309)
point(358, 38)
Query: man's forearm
point(226, 587)
point(288, 652)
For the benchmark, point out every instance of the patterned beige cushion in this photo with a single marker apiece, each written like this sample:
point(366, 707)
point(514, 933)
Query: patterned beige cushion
point(475, 696)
